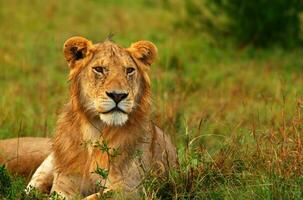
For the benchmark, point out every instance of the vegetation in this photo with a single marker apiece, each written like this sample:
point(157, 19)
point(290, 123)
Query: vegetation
point(235, 114)
point(258, 22)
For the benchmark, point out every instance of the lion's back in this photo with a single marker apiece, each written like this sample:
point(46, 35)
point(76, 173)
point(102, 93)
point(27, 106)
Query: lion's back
point(23, 155)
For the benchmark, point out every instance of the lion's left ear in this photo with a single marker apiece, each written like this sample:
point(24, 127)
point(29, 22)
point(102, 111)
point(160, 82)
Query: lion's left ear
point(144, 51)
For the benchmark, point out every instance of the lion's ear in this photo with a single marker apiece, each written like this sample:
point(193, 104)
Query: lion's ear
point(144, 51)
point(76, 48)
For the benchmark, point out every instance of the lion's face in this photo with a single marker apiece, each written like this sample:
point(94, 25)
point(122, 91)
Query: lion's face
point(110, 83)
point(109, 78)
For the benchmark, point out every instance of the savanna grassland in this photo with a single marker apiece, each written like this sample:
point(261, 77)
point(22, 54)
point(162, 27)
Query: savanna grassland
point(234, 113)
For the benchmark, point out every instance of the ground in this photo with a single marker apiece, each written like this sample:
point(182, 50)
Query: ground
point(234, 113)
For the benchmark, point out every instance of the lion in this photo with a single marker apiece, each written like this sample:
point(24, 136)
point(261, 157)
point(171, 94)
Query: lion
point(108, 114)
point(23, 155)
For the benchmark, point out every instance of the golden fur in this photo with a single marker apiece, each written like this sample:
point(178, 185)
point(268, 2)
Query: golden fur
point(21, 157)
point(79, 123)
point(96, 71)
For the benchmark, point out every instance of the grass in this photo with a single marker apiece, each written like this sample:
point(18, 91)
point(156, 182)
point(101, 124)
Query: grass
point(235, 114)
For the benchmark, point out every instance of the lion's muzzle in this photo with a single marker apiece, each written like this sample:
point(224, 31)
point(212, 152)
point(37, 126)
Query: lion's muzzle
point(116, 108)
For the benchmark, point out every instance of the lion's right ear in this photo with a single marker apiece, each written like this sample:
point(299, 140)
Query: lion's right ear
point(75, 49)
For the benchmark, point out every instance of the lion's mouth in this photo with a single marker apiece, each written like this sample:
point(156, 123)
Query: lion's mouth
point(114, 117)
point(115, 109)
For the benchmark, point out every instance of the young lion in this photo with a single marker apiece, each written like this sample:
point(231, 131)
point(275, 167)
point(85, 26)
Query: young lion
point(109, 106)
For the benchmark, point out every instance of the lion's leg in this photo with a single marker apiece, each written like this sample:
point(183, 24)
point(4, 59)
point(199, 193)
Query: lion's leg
point(43, 177)
point(95, 196)
point(67, 186)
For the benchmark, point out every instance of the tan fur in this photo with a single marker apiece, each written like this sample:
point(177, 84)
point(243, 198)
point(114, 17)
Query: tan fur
point(84, 119)
point(22, 156)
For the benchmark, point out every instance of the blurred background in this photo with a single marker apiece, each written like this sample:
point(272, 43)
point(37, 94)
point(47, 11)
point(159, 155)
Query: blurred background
point(227, 84)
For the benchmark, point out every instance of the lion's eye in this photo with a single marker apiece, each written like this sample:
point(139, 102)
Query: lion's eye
point(130, 70)
point(99, 69)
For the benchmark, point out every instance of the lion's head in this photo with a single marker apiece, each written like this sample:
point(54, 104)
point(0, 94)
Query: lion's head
point(109, 82)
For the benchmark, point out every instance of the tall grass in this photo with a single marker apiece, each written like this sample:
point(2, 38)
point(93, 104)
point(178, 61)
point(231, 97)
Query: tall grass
point(266, 164)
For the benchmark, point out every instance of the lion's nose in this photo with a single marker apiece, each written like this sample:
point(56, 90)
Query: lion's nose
point(117, 97)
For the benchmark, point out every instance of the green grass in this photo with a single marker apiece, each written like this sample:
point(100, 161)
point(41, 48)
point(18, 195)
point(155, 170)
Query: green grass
point(235, 114)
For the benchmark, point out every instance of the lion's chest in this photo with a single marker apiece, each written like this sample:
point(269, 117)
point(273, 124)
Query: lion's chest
point(103, 166)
